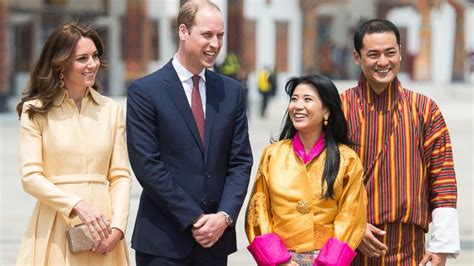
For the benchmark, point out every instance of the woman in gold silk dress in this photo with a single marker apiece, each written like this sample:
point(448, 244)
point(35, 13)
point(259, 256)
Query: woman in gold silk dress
point(73, 157)
point(309, 184)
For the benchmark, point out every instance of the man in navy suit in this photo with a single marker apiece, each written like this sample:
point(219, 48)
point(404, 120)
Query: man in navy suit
point(188, 143)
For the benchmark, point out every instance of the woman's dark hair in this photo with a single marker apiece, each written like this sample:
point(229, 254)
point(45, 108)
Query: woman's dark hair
point(373, 26)
point(44, 83)
point(336, 130)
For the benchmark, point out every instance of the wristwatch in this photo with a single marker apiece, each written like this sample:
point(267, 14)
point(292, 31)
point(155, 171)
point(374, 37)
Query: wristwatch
point(228, 219)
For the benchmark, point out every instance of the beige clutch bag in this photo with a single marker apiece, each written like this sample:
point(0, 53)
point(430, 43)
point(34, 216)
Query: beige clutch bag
point(79, 238)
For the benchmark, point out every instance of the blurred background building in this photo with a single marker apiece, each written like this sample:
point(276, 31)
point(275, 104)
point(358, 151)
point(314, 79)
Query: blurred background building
point(291, 36)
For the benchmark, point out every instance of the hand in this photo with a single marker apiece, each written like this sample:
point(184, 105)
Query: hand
point(437, 259)
point(289, 263)
point(111, 242)
point(208, 229)
point(371, 246)
point(98, 225)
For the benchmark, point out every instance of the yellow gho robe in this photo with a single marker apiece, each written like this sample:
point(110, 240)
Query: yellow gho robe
point(287, 200)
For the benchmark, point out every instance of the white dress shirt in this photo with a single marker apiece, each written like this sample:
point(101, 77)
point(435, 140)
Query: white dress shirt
point(445, 232)
point(185, 76)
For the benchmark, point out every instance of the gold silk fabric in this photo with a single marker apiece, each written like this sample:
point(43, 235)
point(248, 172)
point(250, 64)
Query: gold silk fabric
point(287, 199)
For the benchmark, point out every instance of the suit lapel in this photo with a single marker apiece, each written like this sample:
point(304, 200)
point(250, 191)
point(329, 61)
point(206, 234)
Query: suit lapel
point(176, 91)
point(214, 95)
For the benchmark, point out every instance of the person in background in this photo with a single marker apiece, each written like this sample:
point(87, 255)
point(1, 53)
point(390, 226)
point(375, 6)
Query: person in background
point(230, 67)
point(189, 147)
point(309, 186)
point(265, 89)
point(273, 80)
point(73, 157)
point(242, 77)
point(403, 142)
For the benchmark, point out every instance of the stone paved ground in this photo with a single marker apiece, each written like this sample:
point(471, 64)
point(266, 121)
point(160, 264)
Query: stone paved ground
point(455, 100)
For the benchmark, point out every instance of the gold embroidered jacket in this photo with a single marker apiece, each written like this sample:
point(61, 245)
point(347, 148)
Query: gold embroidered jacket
point(287, 199)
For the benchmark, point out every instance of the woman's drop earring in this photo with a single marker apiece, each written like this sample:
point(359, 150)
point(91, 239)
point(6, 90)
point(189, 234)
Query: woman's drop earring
point(61, 80)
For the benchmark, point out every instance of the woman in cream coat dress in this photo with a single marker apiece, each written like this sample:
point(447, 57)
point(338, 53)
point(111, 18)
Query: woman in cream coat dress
point(73, 155)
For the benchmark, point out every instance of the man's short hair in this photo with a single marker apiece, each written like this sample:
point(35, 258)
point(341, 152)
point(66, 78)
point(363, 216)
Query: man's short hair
point(187, 12)
point(373, 26)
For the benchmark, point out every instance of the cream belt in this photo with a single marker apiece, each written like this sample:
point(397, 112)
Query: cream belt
point(66, 179)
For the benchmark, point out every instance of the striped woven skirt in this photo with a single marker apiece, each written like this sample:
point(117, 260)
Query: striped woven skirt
point(304, 258)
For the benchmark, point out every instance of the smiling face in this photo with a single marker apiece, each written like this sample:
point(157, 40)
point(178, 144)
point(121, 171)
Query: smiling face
point(306, 110)
point(200, 44)
point(83, 66)
point(379, 59)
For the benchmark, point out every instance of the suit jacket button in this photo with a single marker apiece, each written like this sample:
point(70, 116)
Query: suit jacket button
point(203, 201)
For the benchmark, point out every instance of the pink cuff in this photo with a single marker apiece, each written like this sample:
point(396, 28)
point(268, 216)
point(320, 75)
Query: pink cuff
point(335, 253)
point(269, 250)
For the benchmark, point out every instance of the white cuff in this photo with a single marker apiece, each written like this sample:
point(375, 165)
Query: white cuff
point(445, 232)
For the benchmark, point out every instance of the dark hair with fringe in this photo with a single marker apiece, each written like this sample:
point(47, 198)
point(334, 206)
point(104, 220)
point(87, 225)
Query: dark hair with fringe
point(336, 130)
point(44, 83)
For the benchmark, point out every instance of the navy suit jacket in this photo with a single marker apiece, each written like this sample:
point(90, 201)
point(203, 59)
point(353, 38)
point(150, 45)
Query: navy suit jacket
point(181, 177)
